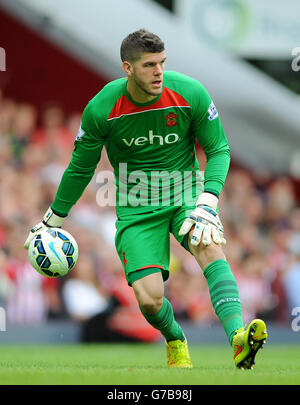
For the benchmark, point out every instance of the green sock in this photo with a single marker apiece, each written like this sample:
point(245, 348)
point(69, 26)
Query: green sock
point(164, 321)
point(224, 296)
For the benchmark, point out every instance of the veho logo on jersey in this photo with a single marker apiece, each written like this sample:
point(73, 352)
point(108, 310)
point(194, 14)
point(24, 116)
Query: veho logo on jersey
point(212, 112)
point(152, 140)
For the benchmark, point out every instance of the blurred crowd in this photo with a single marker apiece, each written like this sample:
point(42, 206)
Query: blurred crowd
point(260, 214)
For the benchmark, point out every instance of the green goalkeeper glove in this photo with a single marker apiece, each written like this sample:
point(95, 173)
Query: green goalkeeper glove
point(207, 223)
point(50, 220)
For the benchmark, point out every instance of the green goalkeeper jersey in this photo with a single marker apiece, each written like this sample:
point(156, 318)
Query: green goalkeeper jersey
point(154, 137)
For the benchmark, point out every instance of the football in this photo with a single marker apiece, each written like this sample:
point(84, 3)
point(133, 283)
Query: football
point(53, 252)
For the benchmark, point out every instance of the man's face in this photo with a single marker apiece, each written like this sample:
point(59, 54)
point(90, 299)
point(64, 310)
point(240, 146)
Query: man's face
point(147, 73)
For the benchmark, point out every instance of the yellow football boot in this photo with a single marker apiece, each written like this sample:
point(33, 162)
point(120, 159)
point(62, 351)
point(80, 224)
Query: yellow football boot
point(178, 354)
point(246, 343)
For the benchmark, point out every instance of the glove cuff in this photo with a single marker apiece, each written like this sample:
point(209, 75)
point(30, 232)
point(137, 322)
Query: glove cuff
point(208, 199)
point(53, 220)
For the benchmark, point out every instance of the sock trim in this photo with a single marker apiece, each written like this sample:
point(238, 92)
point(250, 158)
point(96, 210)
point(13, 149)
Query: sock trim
point(212, 265)
point(222, 283)
point(229, 290)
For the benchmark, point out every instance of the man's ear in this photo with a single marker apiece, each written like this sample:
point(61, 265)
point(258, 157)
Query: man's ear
point(127, 67)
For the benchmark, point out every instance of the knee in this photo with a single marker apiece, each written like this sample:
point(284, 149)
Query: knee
point(150, 305)
point(149, 292)
point(207, 254)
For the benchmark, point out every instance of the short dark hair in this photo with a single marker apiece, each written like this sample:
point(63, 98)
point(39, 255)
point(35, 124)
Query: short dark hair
point(138, 42)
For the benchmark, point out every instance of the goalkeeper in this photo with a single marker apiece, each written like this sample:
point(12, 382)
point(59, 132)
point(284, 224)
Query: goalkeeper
point(150, 121)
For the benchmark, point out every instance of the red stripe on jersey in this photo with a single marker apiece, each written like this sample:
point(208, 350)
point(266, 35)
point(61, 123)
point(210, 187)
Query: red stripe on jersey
point(169, 98)
point(149, 267)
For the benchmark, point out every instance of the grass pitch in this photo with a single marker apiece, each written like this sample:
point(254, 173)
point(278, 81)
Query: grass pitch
point(136, 364)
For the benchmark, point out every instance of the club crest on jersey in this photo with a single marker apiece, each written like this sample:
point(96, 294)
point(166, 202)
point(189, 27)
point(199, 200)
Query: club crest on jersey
point(212, 112)
point(171, 119)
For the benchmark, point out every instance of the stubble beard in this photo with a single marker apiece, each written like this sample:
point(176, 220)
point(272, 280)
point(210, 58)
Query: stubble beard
point(141, 85)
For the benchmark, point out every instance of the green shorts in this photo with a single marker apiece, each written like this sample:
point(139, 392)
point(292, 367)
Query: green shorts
point(143, 240)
